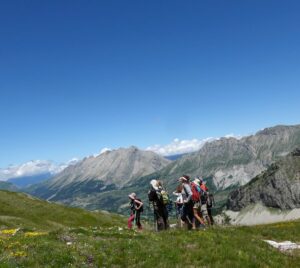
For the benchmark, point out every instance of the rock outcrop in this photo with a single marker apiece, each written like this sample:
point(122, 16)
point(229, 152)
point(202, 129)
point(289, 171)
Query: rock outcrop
point(277, 187)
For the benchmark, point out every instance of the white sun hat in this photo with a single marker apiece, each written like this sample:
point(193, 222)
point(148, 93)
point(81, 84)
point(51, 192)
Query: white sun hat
point(154, 184)
point(132, 196)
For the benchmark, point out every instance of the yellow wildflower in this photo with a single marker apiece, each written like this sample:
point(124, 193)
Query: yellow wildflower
point(9, 231)
point(30, 234)
point(18, 254)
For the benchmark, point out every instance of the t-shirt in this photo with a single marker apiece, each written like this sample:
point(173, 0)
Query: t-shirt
point(179, 199)
point(186, 192)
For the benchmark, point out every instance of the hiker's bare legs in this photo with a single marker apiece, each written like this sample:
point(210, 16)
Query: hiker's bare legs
point(197, 217)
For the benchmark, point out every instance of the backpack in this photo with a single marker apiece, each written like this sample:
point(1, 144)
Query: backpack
point(195, 192)
point(209, 202)
point(142, 207)
point(164, 197)
point(152, 196)
point(131, 205)
point(203, 197)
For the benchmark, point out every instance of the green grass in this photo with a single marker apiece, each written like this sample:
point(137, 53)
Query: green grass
point(98, 241)
point(18, 210)
point(111, 247)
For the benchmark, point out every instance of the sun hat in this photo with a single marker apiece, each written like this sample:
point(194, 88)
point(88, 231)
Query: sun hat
point(197, 181)
point(184, 178)
point(132, 196)
point(154, 184)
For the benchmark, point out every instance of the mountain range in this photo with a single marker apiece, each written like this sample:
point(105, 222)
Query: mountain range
point(227, 163)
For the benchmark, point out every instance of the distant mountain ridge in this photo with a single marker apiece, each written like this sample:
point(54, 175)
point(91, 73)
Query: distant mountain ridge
point(110, 170)
point(26, 181)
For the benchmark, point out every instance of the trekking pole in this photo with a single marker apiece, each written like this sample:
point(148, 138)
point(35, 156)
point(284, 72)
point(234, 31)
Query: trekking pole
point(149, 208)
point(134, 221)
point(147, 215)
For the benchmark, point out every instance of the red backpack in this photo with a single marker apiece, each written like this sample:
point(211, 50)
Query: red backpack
point(195, 192)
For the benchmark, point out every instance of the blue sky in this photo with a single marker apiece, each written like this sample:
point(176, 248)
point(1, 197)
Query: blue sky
point(77, 76)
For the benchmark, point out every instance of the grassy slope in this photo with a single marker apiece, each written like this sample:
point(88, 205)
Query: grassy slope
point(94, 245)
point(18, 210)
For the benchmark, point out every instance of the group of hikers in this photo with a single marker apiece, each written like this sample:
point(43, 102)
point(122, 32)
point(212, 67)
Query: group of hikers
point(193, 204)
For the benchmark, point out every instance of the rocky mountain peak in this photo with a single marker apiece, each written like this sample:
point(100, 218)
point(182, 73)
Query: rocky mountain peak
point(276, 187)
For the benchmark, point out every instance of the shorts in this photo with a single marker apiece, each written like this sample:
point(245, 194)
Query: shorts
point(204, 210)
point(197, 205)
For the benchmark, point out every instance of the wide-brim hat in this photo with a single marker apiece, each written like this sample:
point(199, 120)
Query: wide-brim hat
point(183, 179)
point(197, 181)
point(132, 196)
point(154, 184)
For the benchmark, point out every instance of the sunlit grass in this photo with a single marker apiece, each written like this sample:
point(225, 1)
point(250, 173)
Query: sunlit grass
point(76, 238)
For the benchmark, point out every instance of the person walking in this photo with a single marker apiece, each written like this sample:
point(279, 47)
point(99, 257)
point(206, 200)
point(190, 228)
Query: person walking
point(187, 209)
point(203, 200)
point(164, 196)
point(159, 209)
point(196, 191)
point(136, 208)
point(179, 204)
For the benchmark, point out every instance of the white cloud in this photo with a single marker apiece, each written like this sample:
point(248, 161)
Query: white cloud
point(105, 150)
point(179, 146)
point(34, 167)
point(231, 135)
point(102, 151)
point(71, 162)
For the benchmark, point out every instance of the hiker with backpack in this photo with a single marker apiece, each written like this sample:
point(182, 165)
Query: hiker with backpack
point(136, 208)
point(203, 201)
point(196, 195)
point(165, 200)
point(187, 209)
point(156, 196)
